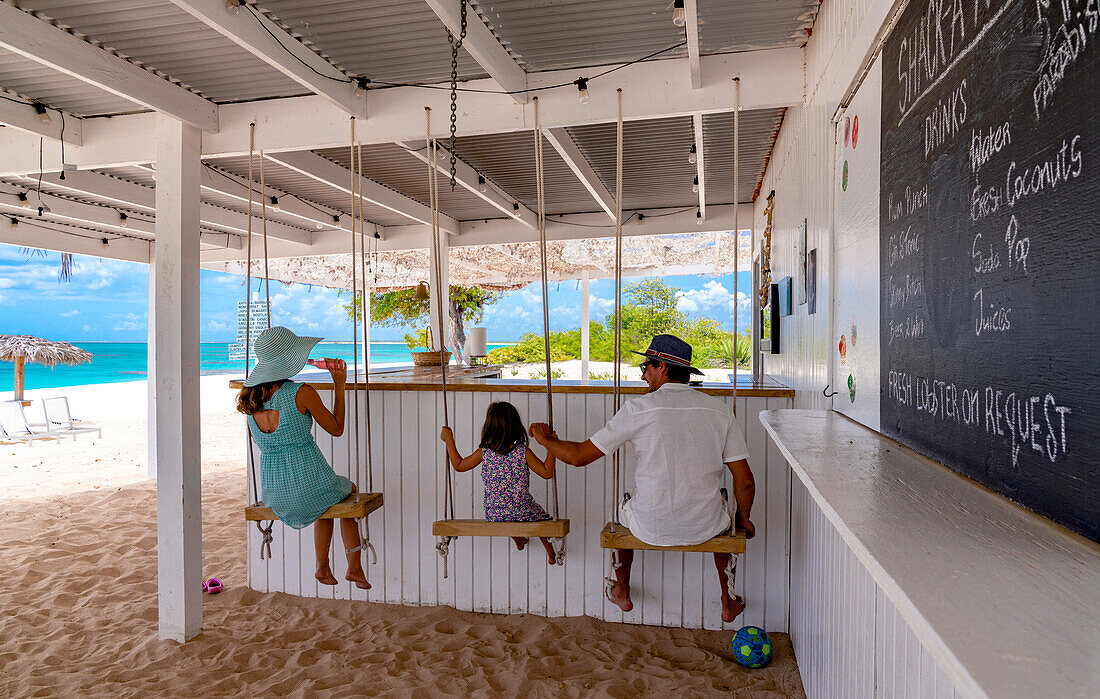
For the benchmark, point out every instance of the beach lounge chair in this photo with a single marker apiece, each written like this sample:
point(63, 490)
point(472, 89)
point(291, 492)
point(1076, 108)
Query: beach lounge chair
point(60, 421)
point(15, 428)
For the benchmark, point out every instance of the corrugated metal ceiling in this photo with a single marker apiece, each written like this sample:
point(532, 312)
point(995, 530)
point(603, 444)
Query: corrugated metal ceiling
point(757, 135)
point(33, 80)
point(390, 165)
point(743, 25)
point(508, 160)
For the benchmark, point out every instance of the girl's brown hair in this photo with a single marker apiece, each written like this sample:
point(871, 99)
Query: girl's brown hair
point(251, 398)
point(503, 429)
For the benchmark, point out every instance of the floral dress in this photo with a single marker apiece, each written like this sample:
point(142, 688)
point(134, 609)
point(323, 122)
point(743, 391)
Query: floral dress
point(296, 481)
point(507, 482)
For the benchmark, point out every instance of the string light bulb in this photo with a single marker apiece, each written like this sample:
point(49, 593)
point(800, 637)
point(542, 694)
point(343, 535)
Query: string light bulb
point(361, 86)
point(582, 88)
point(13, 223)
point(232, 6)
point(106, 243)
point(698, 218)
point(336, 220)
point(275, 203)
point(319, 225)
point(695, 185)
point(40, 110)
point(678, 17)
point(693, 157)
point(123, 220)
point(43, 209)
point(23, 200)
point(481, 186)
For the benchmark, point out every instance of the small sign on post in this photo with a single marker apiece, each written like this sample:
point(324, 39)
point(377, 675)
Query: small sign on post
point(251, 326)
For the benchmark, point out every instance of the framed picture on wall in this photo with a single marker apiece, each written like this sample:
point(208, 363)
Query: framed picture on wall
point(811, 282)
point(785, 296)
point(769, 322)
point(802, 277)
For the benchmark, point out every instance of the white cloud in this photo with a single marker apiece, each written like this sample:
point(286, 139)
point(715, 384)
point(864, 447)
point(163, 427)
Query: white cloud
point(598, 307)
point(88, 328)
point(6, 283)
point(305, 323)
point(713, 298)
point(70, 314)
point(130, 321)
point(217, 325)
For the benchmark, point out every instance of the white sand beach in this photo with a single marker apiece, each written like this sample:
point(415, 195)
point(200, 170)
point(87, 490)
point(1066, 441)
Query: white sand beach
point(78, 541)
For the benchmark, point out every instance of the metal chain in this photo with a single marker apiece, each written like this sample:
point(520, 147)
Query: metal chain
point(455, 46)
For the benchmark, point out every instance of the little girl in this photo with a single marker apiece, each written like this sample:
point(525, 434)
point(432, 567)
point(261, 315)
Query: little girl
point(297, 483)
point(506, 458)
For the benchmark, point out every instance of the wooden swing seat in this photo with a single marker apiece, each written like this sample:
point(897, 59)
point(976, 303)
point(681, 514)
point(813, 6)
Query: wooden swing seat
point(354, 506)
point(621, 538)
point(549, 528)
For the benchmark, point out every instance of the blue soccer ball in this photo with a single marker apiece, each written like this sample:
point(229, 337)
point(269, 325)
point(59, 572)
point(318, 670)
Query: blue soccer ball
point(752, 647)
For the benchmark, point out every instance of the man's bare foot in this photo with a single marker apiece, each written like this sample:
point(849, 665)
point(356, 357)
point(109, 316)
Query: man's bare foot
point(521, 541)
point(359, 578)
point(324, 575)
point(621, 601)
point(731, 609)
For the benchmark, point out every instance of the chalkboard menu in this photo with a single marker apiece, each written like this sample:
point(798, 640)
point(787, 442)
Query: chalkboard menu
point(990, 247)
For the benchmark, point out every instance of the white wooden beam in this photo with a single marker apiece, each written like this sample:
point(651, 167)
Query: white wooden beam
point(770, 78)
point(57, 124)
point(89, 215)
point(30, 37)
point(253, 31)
point(178, 435)
point(691, 14)
point(137, 196)
point(51, 235)
point(569, 151)
point(483, 46)
point(467, 176)
point(311, 214)
point(338, 177)
point(700, 168)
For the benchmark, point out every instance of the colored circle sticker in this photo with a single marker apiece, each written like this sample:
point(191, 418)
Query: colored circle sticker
point(844, 177)
point(855, 131)
point(852, 387)
point(847, 130)
point(843, 348)
point(853, 334)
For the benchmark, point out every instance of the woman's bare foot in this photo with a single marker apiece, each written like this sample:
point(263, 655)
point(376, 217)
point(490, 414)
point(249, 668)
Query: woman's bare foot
point(359, 578)
point(521, 541)
point(621, 600)
point(324, 575)
point(731, 609)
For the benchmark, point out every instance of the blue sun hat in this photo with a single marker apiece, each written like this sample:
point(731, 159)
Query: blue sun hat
point(280, 354)
point(671, 350)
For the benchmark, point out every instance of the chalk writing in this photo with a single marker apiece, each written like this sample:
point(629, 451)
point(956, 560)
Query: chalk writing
point(1063, 46)
point(908, 202)
point(984, 145)
point(1065, 164)
point(945, 119)
point(902, 292)
point(904, 245)
point(983, 262)
point(992, 318)
point(1018, 248)
point(925, 53)
point(910, 328)
point(1032, 421)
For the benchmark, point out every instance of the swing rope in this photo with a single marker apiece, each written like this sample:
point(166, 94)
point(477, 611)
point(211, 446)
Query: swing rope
point(540, 192)
point(613, 557)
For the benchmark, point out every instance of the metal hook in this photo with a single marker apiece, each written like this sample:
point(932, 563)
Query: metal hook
point(825, 392)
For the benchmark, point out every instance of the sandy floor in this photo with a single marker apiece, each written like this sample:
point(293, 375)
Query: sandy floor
point(78, 542)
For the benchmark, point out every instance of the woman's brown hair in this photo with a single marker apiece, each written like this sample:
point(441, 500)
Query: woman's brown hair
point(251, 398)
point(503, 429)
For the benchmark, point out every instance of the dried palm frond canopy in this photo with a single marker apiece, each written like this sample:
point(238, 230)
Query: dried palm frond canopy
point(514, 265)
point(39, 351)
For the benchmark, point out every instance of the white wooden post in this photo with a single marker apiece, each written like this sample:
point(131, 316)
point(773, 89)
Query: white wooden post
point(441, 294)
point(151, 366)
point(584, 325)
point(176, 311)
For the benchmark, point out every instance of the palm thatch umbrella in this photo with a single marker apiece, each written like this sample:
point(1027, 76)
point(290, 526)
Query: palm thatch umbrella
point(23, 348)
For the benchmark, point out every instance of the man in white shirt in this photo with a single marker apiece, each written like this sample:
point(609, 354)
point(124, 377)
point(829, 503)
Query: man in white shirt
point(682, 438)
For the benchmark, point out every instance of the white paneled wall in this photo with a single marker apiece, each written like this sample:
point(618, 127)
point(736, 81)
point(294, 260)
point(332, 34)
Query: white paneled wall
point(849, 638)
point(801, 172)
point(488, 574)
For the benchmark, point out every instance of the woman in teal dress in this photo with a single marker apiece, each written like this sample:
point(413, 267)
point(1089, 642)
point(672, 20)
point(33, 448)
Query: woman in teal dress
point(297, 483)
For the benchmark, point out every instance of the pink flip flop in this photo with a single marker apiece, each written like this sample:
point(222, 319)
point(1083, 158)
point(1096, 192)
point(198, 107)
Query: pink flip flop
point(204, 588)
point(213, 586)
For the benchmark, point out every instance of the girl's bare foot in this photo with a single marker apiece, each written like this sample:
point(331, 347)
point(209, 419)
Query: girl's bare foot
point(521, 541)
point(732, 608)
point(551, 557)
point(324, 575)
point(359, 578)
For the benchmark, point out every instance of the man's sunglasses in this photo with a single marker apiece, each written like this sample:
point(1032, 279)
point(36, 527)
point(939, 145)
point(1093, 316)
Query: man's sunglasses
point(644, 364)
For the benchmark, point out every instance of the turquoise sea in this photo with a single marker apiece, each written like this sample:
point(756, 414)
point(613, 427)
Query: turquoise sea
point(113, 362)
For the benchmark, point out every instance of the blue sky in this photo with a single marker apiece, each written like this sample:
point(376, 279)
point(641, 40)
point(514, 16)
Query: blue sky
point(107, 301)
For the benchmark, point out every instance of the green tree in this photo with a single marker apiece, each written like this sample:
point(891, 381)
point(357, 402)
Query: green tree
point(401, 308)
